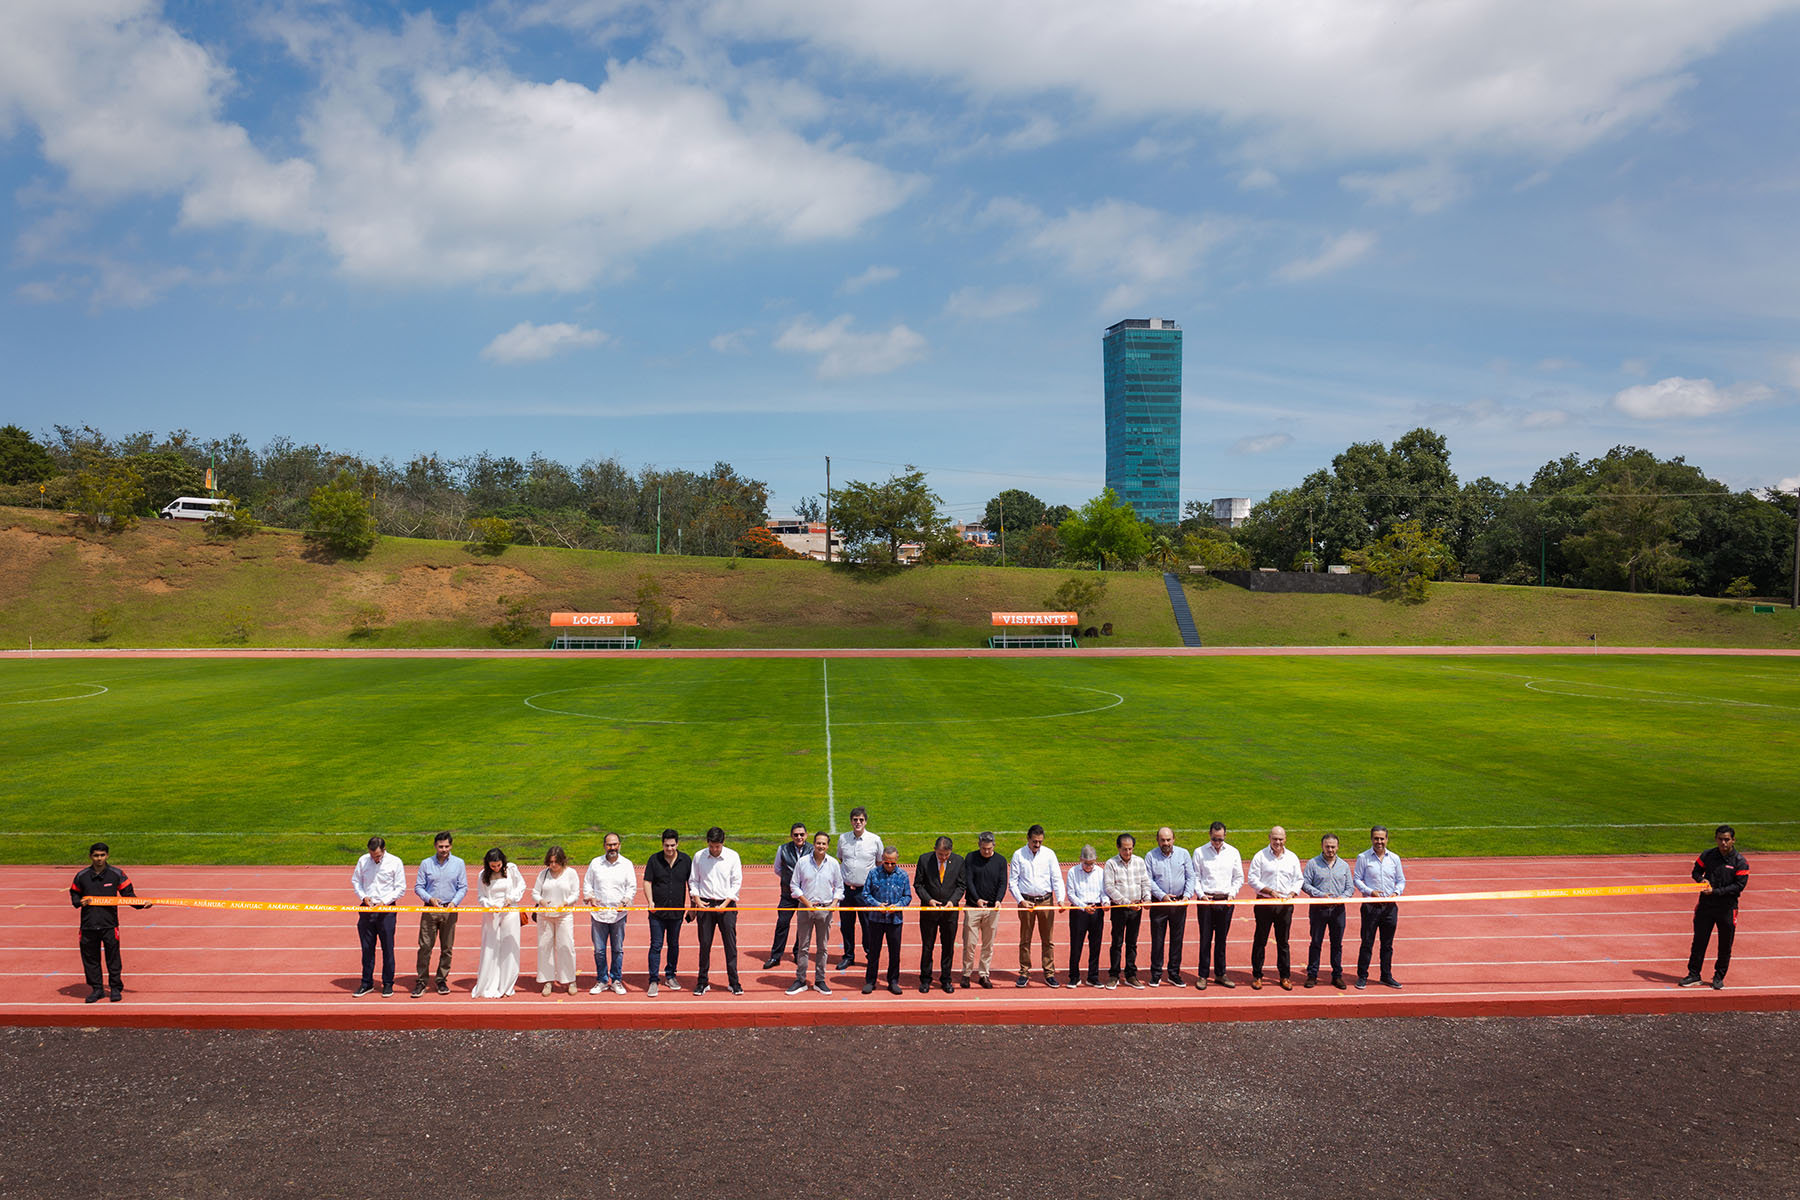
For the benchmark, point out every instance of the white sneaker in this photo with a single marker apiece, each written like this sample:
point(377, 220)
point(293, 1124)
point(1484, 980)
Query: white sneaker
point(597, 988)
point(618, 986)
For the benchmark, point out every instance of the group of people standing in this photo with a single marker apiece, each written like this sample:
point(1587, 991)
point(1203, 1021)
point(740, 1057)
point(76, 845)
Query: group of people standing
point(871, 894)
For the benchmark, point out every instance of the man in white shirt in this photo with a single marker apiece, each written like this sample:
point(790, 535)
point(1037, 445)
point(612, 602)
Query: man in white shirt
point(1037, 884)
point(1219, 877)
point(1086, 889)
point(859, 852)
point(379, 881)
point(610, 886)
point(1275, 874)
point(718, 877)
point(816, 886)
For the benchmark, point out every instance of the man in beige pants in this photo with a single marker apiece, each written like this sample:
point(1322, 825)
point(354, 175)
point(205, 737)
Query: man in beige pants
point(1037, 885)
point(984, 875)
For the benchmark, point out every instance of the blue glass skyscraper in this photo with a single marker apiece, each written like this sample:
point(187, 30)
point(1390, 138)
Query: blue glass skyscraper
point(1143, 416)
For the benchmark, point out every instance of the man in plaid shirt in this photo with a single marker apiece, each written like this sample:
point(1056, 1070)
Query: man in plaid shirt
point(1128, 889)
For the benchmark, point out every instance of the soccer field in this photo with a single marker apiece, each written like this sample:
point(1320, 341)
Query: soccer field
point(299, 760)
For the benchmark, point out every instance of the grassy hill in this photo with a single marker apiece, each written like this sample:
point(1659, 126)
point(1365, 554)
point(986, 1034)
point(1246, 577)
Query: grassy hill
point(166, 584)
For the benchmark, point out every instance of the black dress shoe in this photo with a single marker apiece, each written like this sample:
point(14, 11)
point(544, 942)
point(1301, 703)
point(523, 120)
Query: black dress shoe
point(118, 994)
point(924, 985)
point(773, 961)
point(987, 983)
point(363, 989)
point(868, 989)
point(95, 996)
point(965, 984)
point(894, 988)
point(1337, 981)
point(1390, 981)
point(845, 962)
point(1310, 982)
point(949, 988)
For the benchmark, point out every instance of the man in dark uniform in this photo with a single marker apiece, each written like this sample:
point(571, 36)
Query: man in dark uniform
point(938, 882)
point(1722, 874)
point(100, 922)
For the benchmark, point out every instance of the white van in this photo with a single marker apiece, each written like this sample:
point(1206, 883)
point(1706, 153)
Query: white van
point(193, 508)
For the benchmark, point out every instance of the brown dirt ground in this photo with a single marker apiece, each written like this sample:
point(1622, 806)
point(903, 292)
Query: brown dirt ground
point(1642, 1107)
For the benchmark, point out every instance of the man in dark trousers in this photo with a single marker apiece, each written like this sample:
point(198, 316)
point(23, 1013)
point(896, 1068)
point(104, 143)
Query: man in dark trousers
point(795, 849)
point(1722, 874)
point(938, 881)
point(100, 922)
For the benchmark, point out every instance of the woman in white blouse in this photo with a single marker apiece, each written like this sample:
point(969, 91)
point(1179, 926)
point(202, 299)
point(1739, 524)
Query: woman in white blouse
point(556, 886)
point(502, 888)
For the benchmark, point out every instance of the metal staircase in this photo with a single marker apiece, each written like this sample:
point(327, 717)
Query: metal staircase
point(1184, 618)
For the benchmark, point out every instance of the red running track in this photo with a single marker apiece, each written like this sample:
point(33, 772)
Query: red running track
point(218, 968)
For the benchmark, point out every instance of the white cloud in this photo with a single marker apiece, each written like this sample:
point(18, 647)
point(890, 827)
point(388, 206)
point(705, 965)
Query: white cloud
point(1557, 364)
point(986, 303)
point(1154, 149)
point(1676, 397)
point(424, 162)
point(1142, 252)
point(1258, 179)
point(1263, 444)
point(1424, 189)
point(868, 279)
point(1305, 76)
point(1790, 366)
point(843, 353)
point(1544, 418)
point(1342, 251)
point(734, 341)
point(1789, 484)
point(1635, 366)
point(526, 342)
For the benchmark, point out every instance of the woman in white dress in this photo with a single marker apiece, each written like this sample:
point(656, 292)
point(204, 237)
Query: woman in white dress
point(502, 888)
point(556, 886)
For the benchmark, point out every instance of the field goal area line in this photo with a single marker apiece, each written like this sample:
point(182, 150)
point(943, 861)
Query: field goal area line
point(830, 790)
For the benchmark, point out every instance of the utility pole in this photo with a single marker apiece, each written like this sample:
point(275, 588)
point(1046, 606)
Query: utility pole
point(1003, 534)
point(1794, 601)
point(659, 518)
point(828, 508)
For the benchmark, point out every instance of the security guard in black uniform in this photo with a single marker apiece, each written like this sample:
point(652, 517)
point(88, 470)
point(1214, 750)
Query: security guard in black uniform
point(100, 922)
point(1723, 874)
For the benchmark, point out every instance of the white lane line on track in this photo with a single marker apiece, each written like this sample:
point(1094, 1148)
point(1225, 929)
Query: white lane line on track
point(830, 790)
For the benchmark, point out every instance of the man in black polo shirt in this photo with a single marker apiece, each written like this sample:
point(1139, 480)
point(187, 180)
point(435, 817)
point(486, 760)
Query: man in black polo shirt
point(984, 886)
point(1723, 874)
point(100, 922)
point(666, 876)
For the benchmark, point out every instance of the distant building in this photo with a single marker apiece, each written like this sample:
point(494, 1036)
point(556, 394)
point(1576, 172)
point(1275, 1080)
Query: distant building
point(1143, 416)
point(976, 533)
point(806, 537)
point(1231, 511)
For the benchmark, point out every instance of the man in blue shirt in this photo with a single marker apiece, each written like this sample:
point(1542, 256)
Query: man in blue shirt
point(1378, 874)
point(887, 893)
point(1171, 878)
point(442, 883)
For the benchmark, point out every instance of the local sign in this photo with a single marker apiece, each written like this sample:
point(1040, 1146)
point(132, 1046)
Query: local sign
point(581, 620)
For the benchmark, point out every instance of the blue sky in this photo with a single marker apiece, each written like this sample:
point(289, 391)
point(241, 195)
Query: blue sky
point(770, 230)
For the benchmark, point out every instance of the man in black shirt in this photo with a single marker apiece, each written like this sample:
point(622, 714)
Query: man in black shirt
point(796, 849)
point(1722, 874)
point(100, 922)
point(666, 876)
point(984, 884)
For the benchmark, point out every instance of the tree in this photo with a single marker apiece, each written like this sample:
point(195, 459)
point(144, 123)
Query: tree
point(1405, 560)
point(759, 541)
point(655, 617)
point(878, 517)
point(1164, 554)
point(1105, 529)
point(1014, 511)
point(810, 510)
point(233, 521)
point(108, 491)
point(1214, 549)
point(340, 516)
point(489, 535)
point(23, 460)
point(1079, 594)
point(167, 475)
point(1041, 548)
point(1634, 528)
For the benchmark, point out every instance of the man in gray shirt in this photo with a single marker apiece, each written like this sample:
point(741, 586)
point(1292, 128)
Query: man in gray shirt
point(1328, 877)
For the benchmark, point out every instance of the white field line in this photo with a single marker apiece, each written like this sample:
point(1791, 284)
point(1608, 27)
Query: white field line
point(830, 790)
point(59, 699)
point(654, 835)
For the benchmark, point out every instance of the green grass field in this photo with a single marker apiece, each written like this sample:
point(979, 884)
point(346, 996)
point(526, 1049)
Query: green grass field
point(299, 760)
